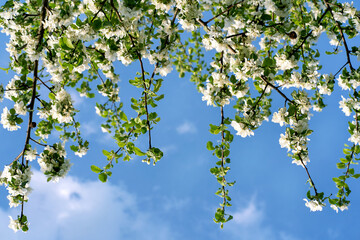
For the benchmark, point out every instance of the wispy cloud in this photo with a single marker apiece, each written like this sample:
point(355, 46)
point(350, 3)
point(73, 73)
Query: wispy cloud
point(250, 215)
point(186, 127)
point(250, 222)
point(168, 149)
point(89, 128)
point(75, 97)
point(74, 209)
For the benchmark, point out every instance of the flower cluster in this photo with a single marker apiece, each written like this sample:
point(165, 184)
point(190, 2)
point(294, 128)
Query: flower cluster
point(261, 48)
point(314, 205)
point(9, 119)
point(20, 223)
point(62, 108)
point(53, 163)
point(16, 178)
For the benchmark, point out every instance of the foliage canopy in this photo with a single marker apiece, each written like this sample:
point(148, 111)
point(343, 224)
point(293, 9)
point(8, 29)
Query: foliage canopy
point(260, 49)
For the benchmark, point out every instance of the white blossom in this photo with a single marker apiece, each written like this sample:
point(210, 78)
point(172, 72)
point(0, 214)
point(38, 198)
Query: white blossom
point(30, 155)
point(14, 224)
point(314, 205)
point(241, 129)
point(20, 108)
point(53, 163)
point(284, 141)
point(336, 208)
point(62, 108)
point(283, 63)
point(279, 117)
point(8, 123)
point(355, 137)
point(82, 151)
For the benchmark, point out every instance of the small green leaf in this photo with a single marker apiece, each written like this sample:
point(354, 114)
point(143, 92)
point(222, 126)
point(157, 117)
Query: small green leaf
point(97, 24)
point(103, 177)
point(340, 165)
point(74, 148)
point(58, 128)
point(123, 117)
point(138, 152)
point(356, 176)
point(210, 146)
point(66, 43)
point(106, 153)
point(52, 96)
point(95, 169)
point(18, 120)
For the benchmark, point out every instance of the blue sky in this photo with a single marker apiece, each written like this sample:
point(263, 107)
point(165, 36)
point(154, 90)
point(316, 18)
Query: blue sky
point(175, 199)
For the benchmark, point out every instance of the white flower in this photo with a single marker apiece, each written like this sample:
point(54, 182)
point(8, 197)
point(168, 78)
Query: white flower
point(14, 224)
point(343, 83)
point(279, 117)
point(304, 160)
point(355, 137)
point(241, 129)
point(284, 141)
point(6, 173)
point(186, 25)
point(314, 205)
point(344, 106)
point(8, 124)
point(20, 108)
point(81, 152)
point(301, 125)
point(207, 94)
point(30, 155)
point(62, 107)
point(219, 79)
point(283, 63)
point(53, 163)
point(161, 6)
point(241, 92)
point(165, 70)
point(336, 208)
point(323, 89)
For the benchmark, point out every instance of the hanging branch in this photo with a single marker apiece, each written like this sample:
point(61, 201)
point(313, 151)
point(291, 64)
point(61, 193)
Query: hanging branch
point(32, 101)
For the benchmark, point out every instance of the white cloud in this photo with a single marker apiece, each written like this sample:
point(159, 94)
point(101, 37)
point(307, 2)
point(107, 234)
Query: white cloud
point(250, 222)
point(249, 215)
point(75, 97)
point(173, 203)
point(168, 149)
point(89, 128)
point(186, 127)
point(91, 210)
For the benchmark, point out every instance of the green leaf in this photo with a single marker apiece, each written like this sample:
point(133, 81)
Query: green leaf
point(214, 129)
point(18, 120)
point(157, 85)
point(356, 176)
point(103, 177)
point(95, 169)
point(106, 153)
point(58, 128)
point(138, 152)
point(52, 96)
point(291, 110)
point(210, 146)
point(66, 43)
point(96, 24)
point(340, 165)
point(123, 117)
point(5, 69)
point(74, 148)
